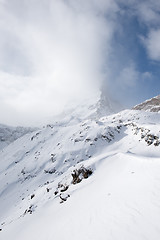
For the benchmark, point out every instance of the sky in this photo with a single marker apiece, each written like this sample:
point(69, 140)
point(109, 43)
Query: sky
point(57, 53)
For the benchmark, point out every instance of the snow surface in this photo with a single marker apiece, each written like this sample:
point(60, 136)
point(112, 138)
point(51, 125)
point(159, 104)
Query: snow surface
point(119, 200)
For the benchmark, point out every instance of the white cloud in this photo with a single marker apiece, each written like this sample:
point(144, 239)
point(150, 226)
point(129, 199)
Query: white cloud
point(152, 44)
point(148, 12)
point(128, 76)
point(52, 52)
point(147, 76)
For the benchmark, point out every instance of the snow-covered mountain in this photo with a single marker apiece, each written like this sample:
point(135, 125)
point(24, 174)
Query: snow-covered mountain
point(96, 178)
point(9, 134)
point(151, 105)
point(93, 107)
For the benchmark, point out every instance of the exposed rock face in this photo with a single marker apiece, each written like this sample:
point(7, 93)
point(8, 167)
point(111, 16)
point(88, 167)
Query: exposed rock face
point(151, 105)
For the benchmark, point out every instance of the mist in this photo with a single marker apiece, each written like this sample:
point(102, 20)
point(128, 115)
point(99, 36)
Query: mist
point(51, 54)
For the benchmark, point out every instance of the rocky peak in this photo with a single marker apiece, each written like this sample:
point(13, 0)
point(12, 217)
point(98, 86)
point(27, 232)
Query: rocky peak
point(150, 105)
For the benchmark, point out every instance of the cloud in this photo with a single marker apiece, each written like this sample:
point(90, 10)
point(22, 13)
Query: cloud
point(147, 13)
point(147, 76)
point(152, 44)
point(128, 76)
point(52, 52)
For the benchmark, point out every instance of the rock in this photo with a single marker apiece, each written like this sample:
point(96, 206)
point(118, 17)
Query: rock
point(32, 196)
point(79, 174)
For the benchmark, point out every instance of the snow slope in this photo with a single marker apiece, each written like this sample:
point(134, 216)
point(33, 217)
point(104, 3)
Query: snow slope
point(95, 179)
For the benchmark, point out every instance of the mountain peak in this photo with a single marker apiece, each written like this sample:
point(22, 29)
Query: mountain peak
point(150, 105)
point(93, 107)
point(106, 106)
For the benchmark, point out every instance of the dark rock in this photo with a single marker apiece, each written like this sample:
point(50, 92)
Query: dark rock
point(32, 196)
point(64, 198)
point(79, 174)
point(50, 171)
point(87, 140)
point(56, 192)
point(64, 188)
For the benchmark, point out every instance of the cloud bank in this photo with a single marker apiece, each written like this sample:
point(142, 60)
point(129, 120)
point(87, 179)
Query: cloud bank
point(51, 53)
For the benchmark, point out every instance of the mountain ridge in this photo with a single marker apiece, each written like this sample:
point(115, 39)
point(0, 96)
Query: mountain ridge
point(151, 105)
point(81, 176)
point(9, 134)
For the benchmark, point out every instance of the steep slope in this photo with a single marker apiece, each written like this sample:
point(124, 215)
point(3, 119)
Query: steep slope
point(95, 179)
point(9, 134)
point(151, 105)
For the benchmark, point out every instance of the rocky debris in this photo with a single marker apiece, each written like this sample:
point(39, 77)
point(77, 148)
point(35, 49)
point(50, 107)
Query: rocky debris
point(61, 192)
point(51, 171)
point(64, 188)
point(157, 143)
point(78, 140)
point(23, 171)
point(53, 157)
point(79, 174)
point(155, 109)
point(145, 135)
point(61, 188)
point(50, 126)
point(48, 189)
point(29, 176)
point(26, 175)
point(64, 197)
point(34, 136)
point(106, 138)
point(150, 139)
point(30, 210)
point(87, 140)
point(32, 196)
point(56, 192)
point(106, 133)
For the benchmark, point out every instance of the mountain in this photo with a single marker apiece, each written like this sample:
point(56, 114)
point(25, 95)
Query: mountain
point(94, 178)
point(105, 106)
point(9, 134)
point(151, 105)
point(93, 107)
